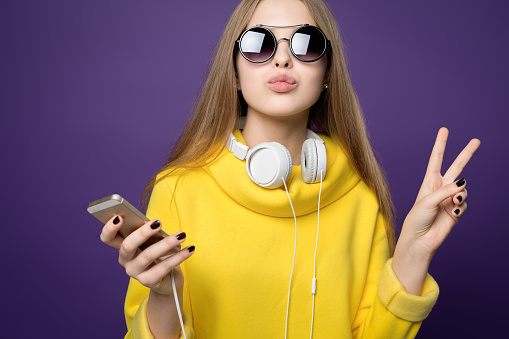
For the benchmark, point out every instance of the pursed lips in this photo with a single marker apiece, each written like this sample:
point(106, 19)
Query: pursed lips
point(282, 83)
point(281, 77)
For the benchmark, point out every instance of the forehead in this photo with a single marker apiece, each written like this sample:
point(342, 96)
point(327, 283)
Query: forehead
point(281, 13)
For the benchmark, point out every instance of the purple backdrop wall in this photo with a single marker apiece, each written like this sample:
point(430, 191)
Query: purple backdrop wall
point(94, 94)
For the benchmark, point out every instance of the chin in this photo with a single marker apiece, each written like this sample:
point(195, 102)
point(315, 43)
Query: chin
point(281, 111)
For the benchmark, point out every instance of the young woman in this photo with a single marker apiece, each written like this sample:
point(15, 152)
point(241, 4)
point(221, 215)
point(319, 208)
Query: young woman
point(292, 231)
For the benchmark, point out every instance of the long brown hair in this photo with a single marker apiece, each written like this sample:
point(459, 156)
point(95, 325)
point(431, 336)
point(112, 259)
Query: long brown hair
point(337, 112)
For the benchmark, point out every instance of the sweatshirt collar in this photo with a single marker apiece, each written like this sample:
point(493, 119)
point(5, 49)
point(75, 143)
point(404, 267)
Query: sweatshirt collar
point(231, 175)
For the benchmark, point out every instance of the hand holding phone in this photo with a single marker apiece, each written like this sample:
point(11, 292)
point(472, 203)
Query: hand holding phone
point(114, 205)
point(130, 232)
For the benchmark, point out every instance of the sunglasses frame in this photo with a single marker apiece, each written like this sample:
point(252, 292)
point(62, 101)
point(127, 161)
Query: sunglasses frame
point(327, 41)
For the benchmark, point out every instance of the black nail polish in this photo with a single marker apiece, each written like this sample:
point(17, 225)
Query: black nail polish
point(460, 198)
point(460, 182)
point(116, 220)
point(181, 236)
point(457, 211)
point(191, 248)
point(155, 224)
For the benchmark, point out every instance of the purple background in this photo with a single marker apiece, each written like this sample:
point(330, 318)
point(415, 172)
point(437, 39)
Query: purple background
point(93, 95)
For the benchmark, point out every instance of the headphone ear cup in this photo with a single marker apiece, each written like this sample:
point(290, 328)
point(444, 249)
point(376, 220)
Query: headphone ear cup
point(309, 161)
point(267, 162)
point(287, 161)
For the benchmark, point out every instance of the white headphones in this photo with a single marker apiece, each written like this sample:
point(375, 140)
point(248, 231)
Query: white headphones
point(267, 162)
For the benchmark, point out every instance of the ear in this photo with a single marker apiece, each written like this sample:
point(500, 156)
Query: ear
point(326, 78)
point(237, 83)
point(325, 84)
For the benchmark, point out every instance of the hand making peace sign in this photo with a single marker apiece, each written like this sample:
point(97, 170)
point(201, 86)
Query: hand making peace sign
point(440, 202)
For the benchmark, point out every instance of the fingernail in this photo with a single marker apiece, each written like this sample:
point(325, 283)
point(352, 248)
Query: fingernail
point(190, 249)
point(457, 211)
point(155, 224)
point(460, 182)
point(181, 236)
point(116, 220)
point(460, 198)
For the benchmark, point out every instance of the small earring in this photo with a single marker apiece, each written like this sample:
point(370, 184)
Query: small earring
point(325, 87)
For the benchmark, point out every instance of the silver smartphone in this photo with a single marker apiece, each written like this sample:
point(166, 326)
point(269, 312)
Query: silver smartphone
point(104, 209)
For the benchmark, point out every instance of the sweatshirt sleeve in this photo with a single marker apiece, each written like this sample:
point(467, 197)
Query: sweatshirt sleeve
point(137, 295)
point(386, 310)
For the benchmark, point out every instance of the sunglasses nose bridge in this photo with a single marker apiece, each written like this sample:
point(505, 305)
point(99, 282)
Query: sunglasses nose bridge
point(277, 41)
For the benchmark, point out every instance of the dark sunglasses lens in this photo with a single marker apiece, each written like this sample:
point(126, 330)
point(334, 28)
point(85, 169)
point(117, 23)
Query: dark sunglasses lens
point(308, 43)
point(257, 44)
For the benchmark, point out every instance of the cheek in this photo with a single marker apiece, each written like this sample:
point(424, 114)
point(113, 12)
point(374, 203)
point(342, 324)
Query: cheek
point(243, 68)
point(321, 68)
point(249, 77)
point(315, 79)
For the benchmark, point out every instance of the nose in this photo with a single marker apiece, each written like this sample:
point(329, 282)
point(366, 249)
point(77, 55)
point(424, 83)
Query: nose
point(282, 56)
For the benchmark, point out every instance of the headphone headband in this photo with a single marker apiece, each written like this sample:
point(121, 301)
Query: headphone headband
point(241, 151)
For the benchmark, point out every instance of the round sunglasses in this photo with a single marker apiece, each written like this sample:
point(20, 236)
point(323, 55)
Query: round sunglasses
point(258, 44)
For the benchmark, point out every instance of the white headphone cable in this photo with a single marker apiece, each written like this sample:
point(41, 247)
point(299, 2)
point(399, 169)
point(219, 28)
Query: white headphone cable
point(177, 304)
point(313, 283)
point(294, 250)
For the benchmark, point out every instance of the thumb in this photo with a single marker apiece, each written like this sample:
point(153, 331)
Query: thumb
point(434, 199)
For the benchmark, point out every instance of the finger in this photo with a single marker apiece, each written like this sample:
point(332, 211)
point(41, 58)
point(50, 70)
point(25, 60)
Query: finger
point(459, 210)
point(437, 154)
point(131, 243)
point(153, 276)
point(461, 160)
point(153, 252)
point(434, 199)
point(109, 234)
point(460, 197)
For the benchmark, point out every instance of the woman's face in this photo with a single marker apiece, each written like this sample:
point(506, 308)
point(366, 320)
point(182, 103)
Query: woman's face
point(253, 78)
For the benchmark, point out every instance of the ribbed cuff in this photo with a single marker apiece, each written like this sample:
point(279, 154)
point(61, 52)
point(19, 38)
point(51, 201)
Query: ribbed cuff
point(401, 303)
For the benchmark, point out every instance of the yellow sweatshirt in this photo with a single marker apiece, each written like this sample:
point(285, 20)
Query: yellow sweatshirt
point(236, 282)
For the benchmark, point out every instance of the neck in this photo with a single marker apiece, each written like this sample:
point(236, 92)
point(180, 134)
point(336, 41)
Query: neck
point(290, 131)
